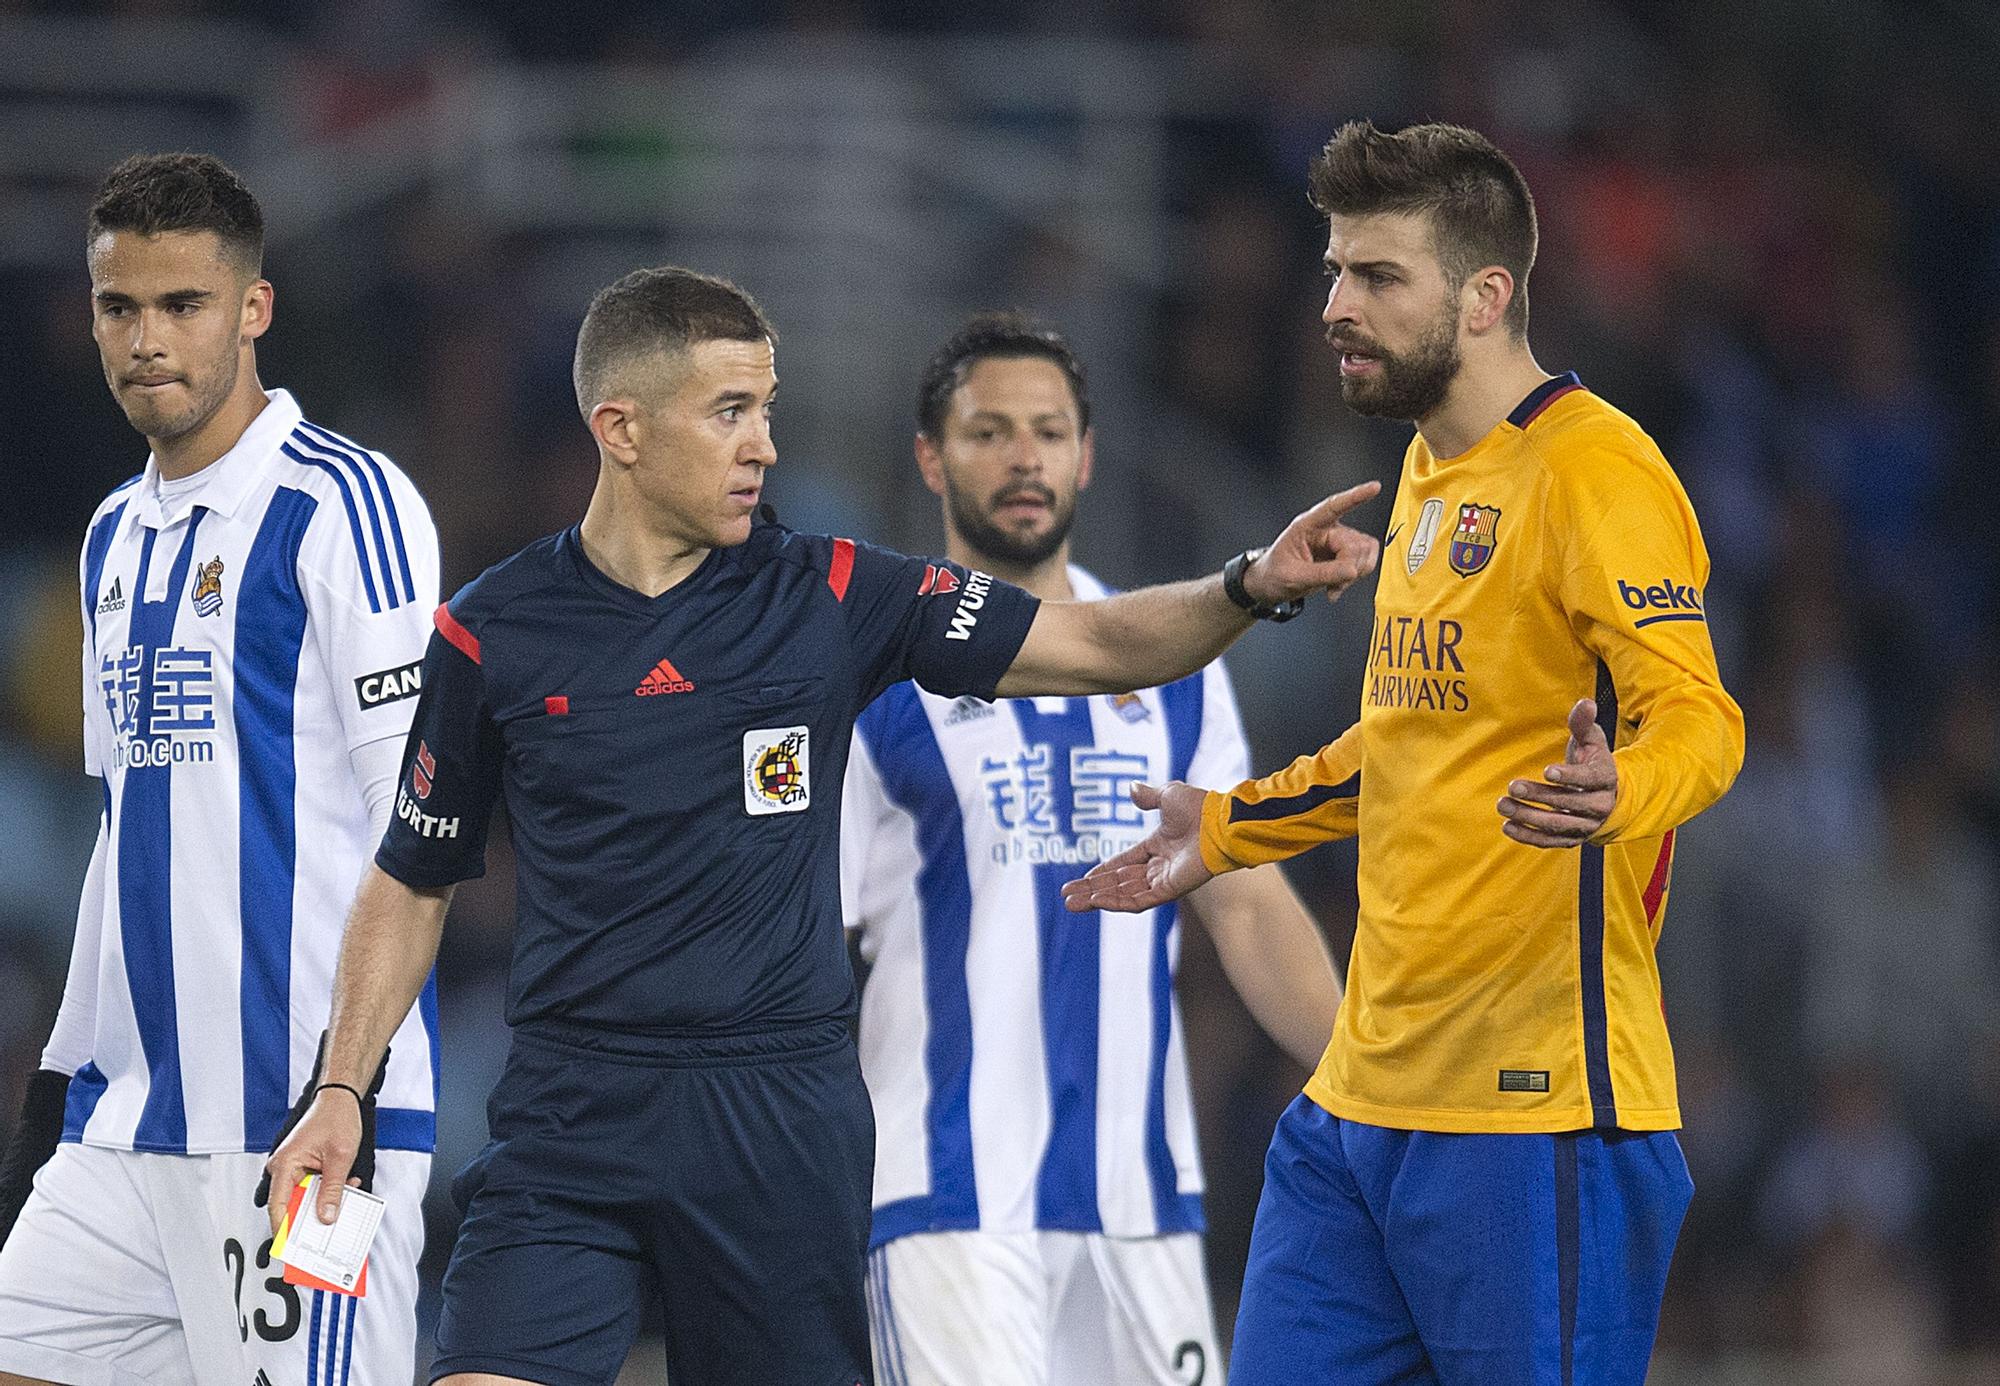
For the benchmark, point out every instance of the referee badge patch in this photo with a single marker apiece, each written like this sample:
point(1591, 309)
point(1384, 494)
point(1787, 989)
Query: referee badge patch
point(777, 770)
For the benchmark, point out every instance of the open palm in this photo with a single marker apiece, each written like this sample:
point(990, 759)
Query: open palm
point(1163, 866)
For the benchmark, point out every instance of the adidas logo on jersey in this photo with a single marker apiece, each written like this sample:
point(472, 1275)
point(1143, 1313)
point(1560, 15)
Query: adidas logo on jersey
point(114, 600)
point(664, 678)
point(968, 710)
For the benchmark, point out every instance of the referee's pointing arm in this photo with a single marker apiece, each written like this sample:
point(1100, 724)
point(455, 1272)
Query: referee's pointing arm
point(1158, 634)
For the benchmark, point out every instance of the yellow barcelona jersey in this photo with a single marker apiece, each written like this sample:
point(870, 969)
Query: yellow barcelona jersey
point(1496, 986)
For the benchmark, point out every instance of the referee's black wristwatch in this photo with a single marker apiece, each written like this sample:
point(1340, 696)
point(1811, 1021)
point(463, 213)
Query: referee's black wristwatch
point(1233, 588)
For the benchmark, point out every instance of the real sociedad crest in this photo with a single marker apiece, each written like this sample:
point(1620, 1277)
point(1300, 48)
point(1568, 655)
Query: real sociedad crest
point(208, 588)
point(1129, 706)
point(1473, 542)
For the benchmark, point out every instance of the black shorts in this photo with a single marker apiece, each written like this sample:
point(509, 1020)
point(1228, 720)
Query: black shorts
point(730, 1177)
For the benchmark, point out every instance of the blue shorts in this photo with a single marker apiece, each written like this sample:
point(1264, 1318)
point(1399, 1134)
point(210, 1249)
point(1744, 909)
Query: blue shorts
point(728, 1178)
point(1384, 1256)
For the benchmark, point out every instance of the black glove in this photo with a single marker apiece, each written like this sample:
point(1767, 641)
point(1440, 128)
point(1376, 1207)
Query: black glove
point(35, 1139)
point(364, 1158)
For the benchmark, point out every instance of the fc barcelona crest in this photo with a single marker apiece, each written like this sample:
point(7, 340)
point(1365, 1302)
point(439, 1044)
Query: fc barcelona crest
point(1473, 542)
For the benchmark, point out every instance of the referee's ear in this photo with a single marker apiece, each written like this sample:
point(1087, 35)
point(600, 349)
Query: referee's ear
point(614, 424)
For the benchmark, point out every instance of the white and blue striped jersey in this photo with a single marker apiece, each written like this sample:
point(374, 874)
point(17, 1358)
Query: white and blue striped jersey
point(240, 646)
point(1025, 1063)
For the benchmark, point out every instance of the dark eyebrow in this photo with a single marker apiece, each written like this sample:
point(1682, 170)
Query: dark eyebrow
point(171, 296)
point(731, 398)
point(1366, 265)
point(997, 416)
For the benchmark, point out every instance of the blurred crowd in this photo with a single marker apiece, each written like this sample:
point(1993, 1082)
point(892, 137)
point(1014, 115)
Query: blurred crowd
point(1769, 233)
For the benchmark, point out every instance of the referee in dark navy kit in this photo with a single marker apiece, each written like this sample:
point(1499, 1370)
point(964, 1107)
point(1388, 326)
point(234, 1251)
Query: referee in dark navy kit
point(664, 695)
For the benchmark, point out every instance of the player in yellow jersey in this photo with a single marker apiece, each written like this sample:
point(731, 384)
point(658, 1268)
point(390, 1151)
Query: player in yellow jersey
point(1480, 1183)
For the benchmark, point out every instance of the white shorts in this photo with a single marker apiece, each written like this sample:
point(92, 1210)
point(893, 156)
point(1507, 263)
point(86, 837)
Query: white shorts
point(129, 1268)
point(1041, 1309)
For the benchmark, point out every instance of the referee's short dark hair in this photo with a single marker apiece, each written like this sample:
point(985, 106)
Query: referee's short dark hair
point(666, 309)
point(155, 193)
point(1009, 336)
point(1478, 203)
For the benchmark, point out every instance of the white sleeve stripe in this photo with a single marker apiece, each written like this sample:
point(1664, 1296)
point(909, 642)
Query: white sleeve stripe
point(292, 448)
point(348, 447)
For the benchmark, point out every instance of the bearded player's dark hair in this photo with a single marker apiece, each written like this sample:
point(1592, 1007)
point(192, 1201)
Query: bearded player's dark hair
point(1477, 202)
point(1006, 336)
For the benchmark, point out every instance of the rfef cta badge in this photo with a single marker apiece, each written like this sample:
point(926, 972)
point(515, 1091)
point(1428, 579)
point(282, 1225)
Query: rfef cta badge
point(777, 770)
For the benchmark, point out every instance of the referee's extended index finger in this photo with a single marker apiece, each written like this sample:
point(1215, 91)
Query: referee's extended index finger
point(1340, 502)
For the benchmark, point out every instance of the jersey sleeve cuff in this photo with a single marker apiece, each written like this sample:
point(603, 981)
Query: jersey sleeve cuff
point(1005, 644)
point(1622, 813)
point(427, 877)
point(1214, 832)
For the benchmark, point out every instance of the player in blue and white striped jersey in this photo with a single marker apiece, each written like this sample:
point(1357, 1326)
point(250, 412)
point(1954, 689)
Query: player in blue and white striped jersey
point(1037, 1191)
point(255, 606)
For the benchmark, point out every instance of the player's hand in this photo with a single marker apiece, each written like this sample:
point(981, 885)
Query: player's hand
point(1163, 866)
point(1579, 795)
point(1316, 552)
point(34, 1139)
point(325, 1143)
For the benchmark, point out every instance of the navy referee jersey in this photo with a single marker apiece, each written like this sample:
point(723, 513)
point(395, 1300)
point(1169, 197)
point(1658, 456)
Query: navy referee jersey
point(672, 765)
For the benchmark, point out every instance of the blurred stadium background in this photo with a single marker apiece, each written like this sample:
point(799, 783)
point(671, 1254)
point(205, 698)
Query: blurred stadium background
point(1771, 231)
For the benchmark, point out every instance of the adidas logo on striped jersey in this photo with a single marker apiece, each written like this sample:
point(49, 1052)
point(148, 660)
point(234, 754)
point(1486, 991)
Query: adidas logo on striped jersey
point(968, 710)
point(664, 678)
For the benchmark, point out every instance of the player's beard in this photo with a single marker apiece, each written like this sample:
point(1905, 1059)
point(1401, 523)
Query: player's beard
point(204, 392)
point(1017, 549)
point(1410, 386)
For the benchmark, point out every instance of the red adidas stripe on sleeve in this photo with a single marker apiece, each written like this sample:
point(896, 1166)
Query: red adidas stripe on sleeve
point(450, 629)
point(841, 570)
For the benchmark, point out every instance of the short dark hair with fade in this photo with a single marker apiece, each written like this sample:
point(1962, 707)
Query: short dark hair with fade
point(1478, 203)
point(152, 194)
point(664, 309)
point(1010, 336)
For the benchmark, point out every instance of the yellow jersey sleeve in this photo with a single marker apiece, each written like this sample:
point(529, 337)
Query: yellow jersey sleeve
point(1315, 799)
point(1631, 570)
